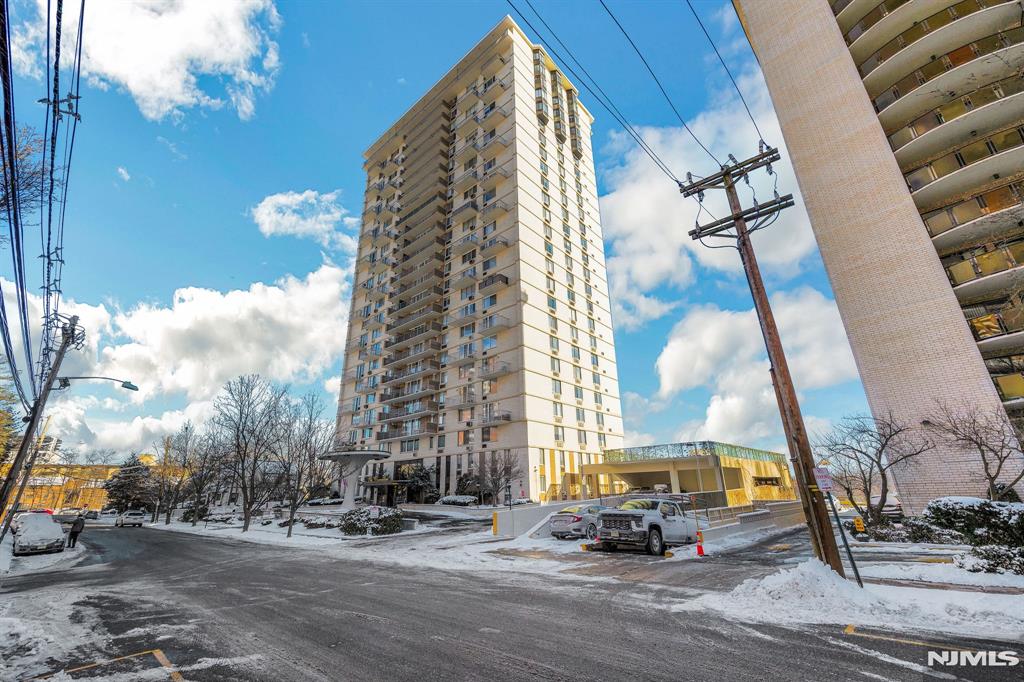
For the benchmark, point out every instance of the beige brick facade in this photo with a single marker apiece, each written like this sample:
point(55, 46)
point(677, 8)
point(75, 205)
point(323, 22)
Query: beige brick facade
point(907, 329)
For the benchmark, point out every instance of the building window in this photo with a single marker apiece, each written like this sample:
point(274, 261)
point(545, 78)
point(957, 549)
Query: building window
point(490, 342)
point(581, 436)
point(556, 387)
point(487, 434)
point(559, 434)
point(556, 408)
point(553, 342)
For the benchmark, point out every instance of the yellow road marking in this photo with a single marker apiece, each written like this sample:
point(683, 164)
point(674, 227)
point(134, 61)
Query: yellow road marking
point(851, 630)
point(158, 654)
point(935, 560)
point(780, 548)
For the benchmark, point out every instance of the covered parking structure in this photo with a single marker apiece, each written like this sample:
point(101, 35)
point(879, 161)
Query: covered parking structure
point(725, 475)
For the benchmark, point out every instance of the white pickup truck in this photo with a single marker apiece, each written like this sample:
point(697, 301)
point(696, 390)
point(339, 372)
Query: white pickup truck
point(649, 523)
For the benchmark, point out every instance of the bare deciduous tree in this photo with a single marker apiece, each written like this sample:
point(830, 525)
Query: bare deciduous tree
point(992, 435)
point(247, 414)
point(862, 450)
point(305, 438)
point(203, 466)
point(502, 467)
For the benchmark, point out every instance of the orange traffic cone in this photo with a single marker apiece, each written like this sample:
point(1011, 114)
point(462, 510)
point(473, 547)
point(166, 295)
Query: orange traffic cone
point(700, 543)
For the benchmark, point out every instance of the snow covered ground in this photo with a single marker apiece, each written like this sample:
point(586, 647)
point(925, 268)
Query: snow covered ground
point(21, 565)
point(425, 546)
point(38, 628)
point(938, 573)
point(811, 593)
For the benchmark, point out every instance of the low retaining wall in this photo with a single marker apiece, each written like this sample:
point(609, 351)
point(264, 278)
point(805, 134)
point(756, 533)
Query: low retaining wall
point(444, 508)
point(778, 515)
point(725, 521)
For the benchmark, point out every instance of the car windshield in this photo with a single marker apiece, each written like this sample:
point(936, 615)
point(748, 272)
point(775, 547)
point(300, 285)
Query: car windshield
point(570, 510)
point(639, 504)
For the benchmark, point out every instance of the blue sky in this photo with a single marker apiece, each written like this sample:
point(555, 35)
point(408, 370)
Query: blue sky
point(217, 181)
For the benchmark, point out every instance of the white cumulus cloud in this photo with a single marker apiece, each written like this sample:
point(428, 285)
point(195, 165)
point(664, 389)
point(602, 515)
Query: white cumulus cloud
point(723, 351)
point(308, 214)
point(165, 54)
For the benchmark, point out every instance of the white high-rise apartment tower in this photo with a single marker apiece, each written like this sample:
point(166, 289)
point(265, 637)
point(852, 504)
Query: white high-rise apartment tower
point(480, 330)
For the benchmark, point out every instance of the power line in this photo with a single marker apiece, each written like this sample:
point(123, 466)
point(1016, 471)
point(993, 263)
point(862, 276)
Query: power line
point(609, 106)
point(660, 87)
point(726, 67)
point(11, 187)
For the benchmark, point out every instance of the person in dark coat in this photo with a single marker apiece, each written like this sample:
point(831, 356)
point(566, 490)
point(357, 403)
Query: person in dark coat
point(76, 529)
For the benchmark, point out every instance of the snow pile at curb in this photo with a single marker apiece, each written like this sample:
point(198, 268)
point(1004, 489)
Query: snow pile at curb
point(940, 573)
point(810, 592)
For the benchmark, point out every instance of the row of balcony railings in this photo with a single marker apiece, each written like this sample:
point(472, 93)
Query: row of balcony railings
point(920, 29)
point(881, 11)
point(480, 143)
point(419, 351)
point(964, 156)
point(967, 53)
point(410, 410)
point(955, 109)
point(407, 392)
point(422, 330)
point(980, 263)
point(409, 430)
point(992, 321)
point(943, 219)
point(493, 84)
point(421, 314)
point(422, 282)
point(417, 370)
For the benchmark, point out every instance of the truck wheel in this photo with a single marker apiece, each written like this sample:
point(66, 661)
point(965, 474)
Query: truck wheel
point(655, 546)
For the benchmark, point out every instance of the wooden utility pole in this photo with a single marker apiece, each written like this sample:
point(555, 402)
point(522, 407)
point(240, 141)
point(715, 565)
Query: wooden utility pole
point(735, 227)
point(72, 335)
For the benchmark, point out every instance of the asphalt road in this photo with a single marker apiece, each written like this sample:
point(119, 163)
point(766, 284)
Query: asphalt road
point(226, 610)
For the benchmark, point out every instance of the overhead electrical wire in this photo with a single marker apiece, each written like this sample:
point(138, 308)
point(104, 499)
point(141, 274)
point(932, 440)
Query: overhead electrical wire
point(9, 152)
point(603, 98)
point(726, 67)
point(69, 151)
point(658, 82)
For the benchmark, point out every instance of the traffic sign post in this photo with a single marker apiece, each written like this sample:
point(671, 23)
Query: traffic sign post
point(823, 478)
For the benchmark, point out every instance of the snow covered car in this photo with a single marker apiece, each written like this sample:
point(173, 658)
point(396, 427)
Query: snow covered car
point(576, 522)
point(38, 534)
point(892, 509)
point(649, 523)
point(130, 518)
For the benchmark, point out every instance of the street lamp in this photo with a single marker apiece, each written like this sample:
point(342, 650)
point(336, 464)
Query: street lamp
point(65, 382)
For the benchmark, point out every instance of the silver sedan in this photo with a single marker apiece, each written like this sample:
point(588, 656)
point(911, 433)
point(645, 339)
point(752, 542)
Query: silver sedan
point(576, 522)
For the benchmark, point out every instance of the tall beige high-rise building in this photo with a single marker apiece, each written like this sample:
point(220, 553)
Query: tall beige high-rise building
point(903, 119)
point(480, 331)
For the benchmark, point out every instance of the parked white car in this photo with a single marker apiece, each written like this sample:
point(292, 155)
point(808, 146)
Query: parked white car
point(38, 534)
point(649, 523)
point(130, 518)
point(577, 521)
